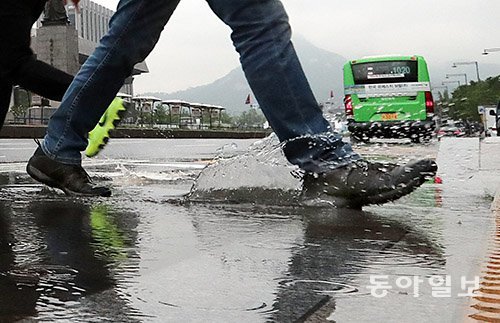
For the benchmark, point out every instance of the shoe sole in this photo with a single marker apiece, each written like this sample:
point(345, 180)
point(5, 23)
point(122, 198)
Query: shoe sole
point(359, 202)
point(115, 122)
point(428, 169)
point(44, 179)
point(390, 196)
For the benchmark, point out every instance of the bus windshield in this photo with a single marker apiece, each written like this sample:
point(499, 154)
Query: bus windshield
point(385, 72)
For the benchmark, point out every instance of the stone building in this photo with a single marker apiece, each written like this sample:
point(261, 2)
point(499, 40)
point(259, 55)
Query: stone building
point(67, 47)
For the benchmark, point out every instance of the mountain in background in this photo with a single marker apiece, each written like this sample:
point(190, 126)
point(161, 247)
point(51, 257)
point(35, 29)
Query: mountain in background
point(323, 70)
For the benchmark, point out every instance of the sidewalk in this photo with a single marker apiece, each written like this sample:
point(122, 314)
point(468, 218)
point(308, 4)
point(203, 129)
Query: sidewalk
point(485, 306)
point(489, 163)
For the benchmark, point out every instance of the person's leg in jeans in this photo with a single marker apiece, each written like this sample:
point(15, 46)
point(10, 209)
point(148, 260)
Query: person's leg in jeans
point(261, 35)
point(134, 31)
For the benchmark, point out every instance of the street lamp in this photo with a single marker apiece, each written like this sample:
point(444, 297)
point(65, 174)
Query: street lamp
point(469, 63)
point(490, 50)
point(458, 74)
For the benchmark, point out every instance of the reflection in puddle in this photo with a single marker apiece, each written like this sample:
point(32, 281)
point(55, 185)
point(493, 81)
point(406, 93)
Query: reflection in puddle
point(339, 246)
point(59, 260)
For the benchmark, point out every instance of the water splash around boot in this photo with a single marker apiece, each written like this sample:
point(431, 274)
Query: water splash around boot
point(262, 175)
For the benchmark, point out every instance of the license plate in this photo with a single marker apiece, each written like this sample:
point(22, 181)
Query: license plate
point(389, 116)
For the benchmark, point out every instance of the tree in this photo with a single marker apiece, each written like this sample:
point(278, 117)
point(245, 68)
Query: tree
point(146, 119)
point(160, 115)
point(225, 118)
point(466, 98)
point(445, 96)
point(252, 118)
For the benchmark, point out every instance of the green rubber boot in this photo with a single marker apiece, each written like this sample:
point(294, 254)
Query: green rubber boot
point(99, 136)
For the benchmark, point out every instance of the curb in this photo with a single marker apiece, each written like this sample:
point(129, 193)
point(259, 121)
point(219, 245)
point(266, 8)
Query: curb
point(29, 132)
point(486, 300)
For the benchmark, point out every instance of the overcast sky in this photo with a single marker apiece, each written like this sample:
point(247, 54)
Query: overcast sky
point(195, 47)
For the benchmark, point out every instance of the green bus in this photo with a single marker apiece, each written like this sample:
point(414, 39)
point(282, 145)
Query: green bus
point(388, 97)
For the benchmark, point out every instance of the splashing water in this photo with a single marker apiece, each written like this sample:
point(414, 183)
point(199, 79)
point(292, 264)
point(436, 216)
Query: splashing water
point(262, 175)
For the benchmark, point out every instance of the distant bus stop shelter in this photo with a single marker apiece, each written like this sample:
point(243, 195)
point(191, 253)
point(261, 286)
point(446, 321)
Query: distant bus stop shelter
point(188, 114)
point(208, 111)
point(145, 105)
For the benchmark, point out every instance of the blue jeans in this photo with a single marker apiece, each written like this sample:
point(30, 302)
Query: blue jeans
point(261, 35)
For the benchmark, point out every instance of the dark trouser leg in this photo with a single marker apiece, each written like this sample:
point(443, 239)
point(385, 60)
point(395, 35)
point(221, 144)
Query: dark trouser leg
point(5, 94)
point(18, 65)
point(41, 78)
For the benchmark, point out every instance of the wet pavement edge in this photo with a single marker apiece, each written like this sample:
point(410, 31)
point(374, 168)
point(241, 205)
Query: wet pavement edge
point(485, 306)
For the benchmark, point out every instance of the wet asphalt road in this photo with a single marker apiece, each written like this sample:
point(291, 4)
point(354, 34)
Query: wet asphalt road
point(142, 255)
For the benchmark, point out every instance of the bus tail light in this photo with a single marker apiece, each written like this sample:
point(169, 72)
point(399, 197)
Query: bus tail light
point(429, 103)
point(348, 106)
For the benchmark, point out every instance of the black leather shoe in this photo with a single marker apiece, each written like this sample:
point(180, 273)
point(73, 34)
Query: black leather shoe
point(72, 179)
point(363, 183)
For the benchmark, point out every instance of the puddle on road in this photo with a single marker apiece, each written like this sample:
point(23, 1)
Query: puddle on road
point(84, 261)
point(134, 257)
